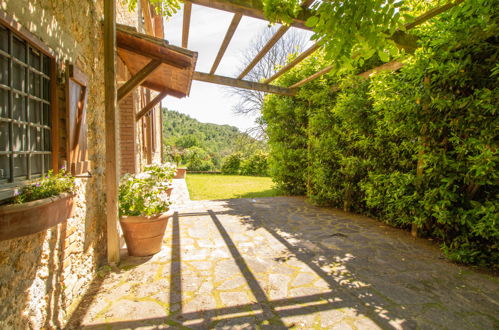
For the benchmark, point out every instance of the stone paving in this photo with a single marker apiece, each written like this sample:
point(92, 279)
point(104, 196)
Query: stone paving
point(281, 263)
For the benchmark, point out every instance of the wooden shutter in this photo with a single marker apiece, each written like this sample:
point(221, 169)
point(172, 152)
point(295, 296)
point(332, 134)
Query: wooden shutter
point(76, 100)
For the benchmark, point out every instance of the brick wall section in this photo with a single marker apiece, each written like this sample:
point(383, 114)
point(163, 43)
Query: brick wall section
point(128, 147)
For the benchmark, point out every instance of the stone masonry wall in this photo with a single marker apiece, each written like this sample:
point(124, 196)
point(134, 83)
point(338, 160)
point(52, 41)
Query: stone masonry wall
point(44, 276)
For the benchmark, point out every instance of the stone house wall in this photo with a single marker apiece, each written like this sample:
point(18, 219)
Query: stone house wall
point(44, 276)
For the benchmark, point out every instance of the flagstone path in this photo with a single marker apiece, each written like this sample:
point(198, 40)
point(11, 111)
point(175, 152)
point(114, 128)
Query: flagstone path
point(282, 263)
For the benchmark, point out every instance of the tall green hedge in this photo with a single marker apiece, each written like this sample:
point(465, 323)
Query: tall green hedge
point(414, 147)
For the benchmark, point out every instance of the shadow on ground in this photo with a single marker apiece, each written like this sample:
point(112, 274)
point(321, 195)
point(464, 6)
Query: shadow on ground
point(282, 263)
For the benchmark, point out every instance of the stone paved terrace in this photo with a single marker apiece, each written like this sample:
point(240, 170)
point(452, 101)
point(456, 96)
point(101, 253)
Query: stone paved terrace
point(282, 263)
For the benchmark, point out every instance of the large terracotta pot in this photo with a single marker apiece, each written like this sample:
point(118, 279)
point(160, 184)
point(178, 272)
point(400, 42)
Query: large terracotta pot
point(144, 235)
point(180, 173)
point(169, 191)
point(18, 220)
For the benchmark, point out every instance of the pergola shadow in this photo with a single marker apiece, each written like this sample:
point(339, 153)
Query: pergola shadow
point(352, 290)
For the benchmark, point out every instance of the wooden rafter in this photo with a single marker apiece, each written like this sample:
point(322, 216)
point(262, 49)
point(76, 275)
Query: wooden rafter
point(312, 77)
point(275, 38)
point(251, 8)
point(228, 36)
point(186, 24)
point(150, 105)
point(419, 20)
point(293, 63)
point(138, 79)
point(245, 84)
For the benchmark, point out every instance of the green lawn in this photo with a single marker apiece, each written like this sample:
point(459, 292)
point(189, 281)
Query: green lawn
point(214, 186)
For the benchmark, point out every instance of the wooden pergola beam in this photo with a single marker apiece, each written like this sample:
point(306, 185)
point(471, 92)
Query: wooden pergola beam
point(145, 110)
point(251, 8)
point(275, 38)
point(245, 84)
point(293, 63)
point(390, 66)
point(312, 77)
point(146, 10)
point(225, 43)
point(432, 13)
point(186, 24)
point(138, 79)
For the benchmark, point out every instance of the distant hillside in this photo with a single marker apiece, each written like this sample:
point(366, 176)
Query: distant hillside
point(184, 132)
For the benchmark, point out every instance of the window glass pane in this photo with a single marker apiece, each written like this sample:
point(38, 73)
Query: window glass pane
point(4, 103)
point(36, 164)
point(46, 89)
point(35, 111)
point(4, 70)
point(46, 140)
point(34, 59)
point(35, 140)
point(20, 137)
point(19, 49)
point(46, 114)
point(4, 136)
point(47, 160)
point(18, 108)
point(34, 84)
point(20, 166)
point(19, 76)
point(46, 65)
point(4, 167)
point(4, 39)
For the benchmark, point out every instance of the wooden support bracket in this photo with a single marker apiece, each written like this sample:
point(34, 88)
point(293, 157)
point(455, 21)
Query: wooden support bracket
point(150, 105)
point(137, 79)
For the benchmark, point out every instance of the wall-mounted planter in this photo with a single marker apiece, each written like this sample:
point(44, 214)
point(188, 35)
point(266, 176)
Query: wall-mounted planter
point(18, 220)
point(144, 235)
point(180, 173)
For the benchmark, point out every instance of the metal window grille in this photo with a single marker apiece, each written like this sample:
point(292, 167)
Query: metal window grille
point(25, 130)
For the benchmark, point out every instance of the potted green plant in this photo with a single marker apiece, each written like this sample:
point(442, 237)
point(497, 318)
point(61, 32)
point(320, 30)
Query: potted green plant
point(143, 210)
point(38, 206)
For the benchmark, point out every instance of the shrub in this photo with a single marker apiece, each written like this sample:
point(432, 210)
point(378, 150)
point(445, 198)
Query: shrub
point(231, 164)
point(256, 164)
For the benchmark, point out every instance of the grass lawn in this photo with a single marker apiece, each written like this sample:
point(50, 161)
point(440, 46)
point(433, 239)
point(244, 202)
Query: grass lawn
point(215, 186)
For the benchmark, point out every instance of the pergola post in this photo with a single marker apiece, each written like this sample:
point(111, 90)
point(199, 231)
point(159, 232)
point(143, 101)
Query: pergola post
point(111, 171)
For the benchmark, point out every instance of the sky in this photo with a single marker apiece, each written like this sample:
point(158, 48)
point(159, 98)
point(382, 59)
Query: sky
point(207, 102)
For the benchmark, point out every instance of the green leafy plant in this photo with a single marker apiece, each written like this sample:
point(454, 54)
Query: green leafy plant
point(144, 194)
point(48, 186)
point(417, 147)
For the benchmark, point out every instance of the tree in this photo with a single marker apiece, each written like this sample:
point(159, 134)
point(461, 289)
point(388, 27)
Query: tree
point(251, 102)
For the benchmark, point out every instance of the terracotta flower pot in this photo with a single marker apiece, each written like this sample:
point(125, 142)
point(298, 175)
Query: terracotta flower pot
point(144, 235)
point(18, 220)
point(169, 191)
point(180, 173)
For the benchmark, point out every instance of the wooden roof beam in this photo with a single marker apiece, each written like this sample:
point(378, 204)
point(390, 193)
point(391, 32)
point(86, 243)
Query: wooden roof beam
point(225, 43)
point(150, 105)
point(275, 38)
point(293, 63)
point(251, 8)
point(186, 24)
point(245, 84)
point(312, 77)
point(137, 79)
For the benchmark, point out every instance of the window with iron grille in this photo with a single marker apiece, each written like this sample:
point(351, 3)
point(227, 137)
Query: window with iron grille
point(25, 126)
